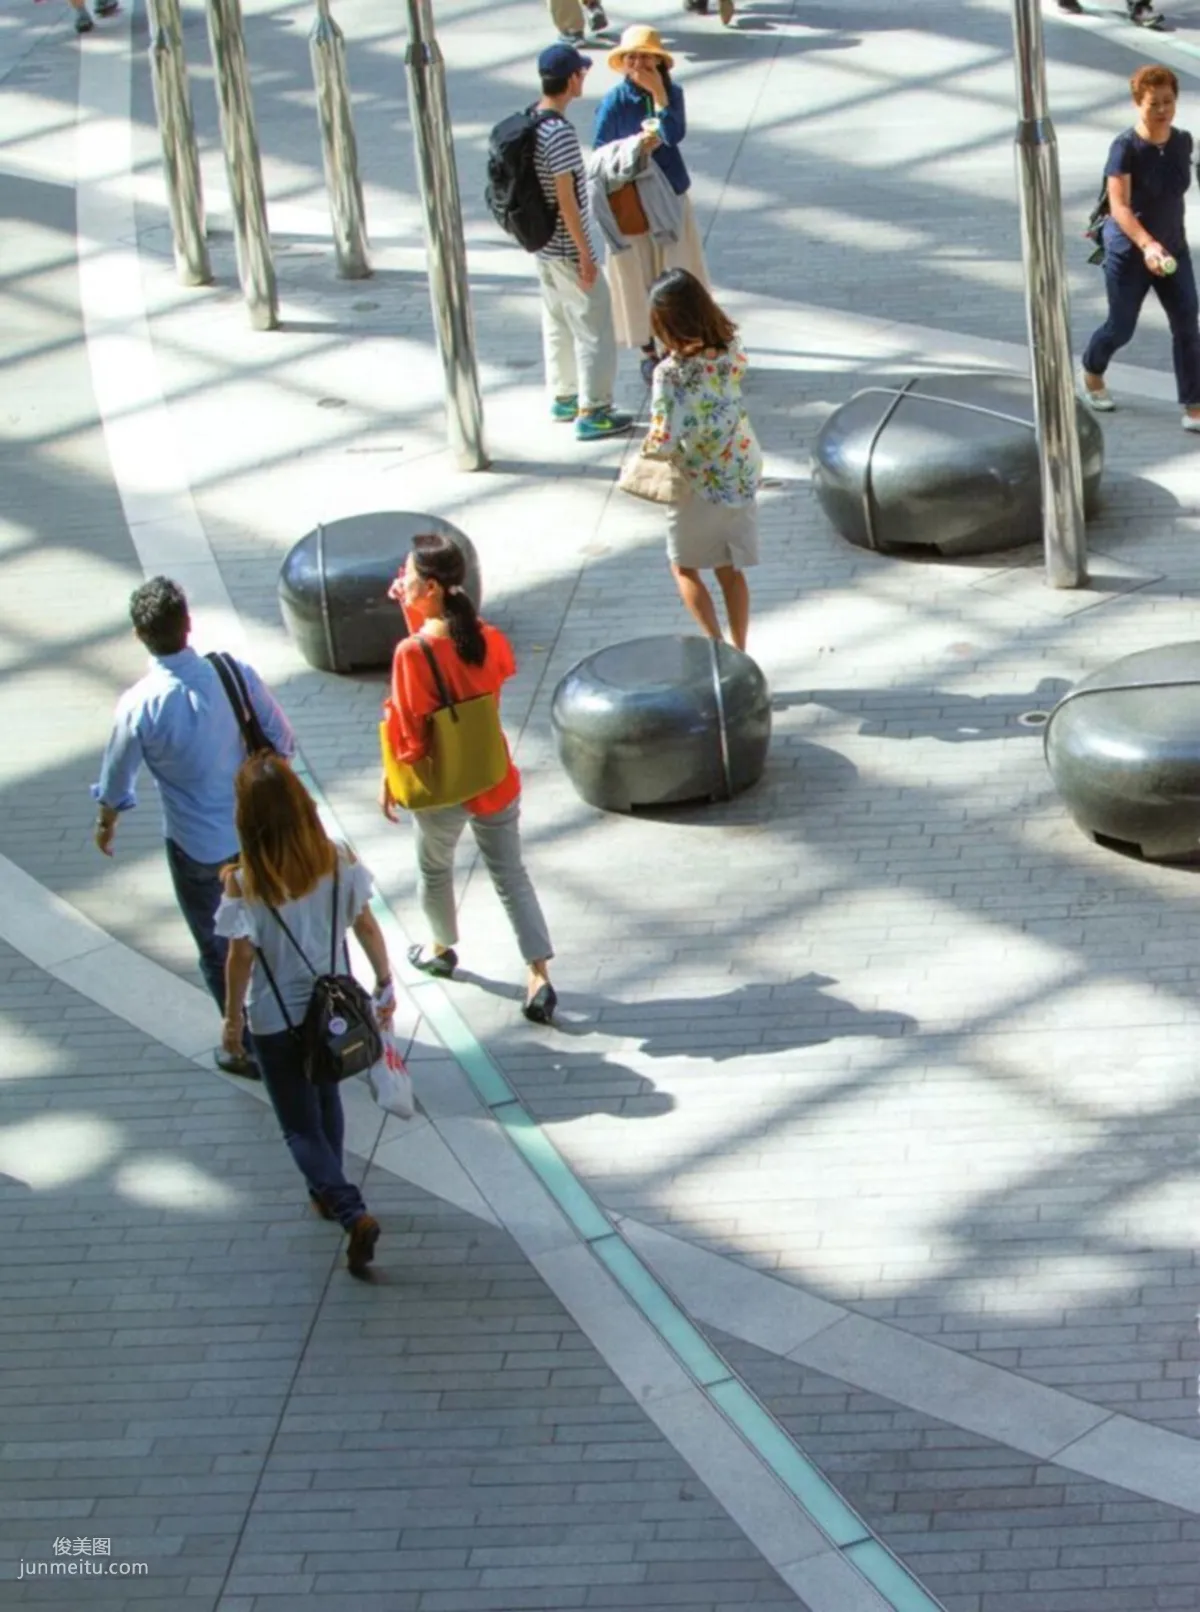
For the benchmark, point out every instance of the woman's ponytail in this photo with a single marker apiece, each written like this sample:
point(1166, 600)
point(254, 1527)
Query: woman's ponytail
point(437, 559)
point(465, 632)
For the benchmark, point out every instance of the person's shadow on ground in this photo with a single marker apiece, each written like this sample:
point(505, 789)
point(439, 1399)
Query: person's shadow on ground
point(749, 1021)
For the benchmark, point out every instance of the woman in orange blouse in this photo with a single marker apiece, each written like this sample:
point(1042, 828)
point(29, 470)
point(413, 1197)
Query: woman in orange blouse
point(474, 658)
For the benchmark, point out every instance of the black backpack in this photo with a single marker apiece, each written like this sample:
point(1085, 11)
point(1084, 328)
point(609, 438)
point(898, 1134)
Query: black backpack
point(338, 1036)
point(514, 192)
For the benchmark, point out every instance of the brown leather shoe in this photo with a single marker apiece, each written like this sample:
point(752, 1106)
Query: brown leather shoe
point(360, 1251)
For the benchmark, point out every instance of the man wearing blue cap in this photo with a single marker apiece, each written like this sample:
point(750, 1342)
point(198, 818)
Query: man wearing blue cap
point(577, 322)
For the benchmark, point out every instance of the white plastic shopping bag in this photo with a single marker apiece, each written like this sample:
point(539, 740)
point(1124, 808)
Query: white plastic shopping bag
point(391, 1083)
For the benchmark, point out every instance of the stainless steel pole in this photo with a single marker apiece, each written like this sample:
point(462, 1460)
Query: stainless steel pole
point(444, 241)
point(1048, 310)
point(327, 47)
point(256, 269)
point(177, 131)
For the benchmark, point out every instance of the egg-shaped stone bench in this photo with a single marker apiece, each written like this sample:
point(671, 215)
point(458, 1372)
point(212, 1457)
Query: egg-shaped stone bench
point(942, 464)
point(659, 721)
point(333, 587)
point(1123, 748)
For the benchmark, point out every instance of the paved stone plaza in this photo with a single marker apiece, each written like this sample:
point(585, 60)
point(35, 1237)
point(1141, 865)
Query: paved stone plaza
point(880, 1081)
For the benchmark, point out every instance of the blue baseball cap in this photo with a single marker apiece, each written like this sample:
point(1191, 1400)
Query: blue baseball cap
point(562, 61)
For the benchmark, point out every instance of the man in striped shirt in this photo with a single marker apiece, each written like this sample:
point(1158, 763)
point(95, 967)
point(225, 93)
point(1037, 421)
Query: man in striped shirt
point(577, 322)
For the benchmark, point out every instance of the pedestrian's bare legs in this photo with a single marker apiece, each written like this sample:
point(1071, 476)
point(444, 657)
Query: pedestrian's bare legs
point(697, 599)
point(737, 602)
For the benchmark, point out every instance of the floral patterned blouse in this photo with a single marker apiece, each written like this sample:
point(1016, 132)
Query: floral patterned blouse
point(698, 421)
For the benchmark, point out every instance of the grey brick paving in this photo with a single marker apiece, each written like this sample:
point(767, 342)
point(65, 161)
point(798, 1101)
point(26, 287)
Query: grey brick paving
point(258, 1428)
point(986, 1529)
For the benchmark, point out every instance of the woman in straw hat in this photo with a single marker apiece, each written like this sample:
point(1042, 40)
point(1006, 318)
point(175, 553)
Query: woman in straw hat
point(648, 104)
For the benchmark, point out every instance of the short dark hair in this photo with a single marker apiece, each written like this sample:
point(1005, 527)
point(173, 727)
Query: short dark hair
point(555, 86)
point(159, 612)
point(684, 316)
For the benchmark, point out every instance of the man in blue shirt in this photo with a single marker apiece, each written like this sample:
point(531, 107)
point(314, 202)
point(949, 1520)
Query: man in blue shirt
point(179, 722)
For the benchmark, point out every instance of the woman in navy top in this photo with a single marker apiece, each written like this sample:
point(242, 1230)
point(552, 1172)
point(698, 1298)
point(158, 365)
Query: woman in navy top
point(646, 92)
point(1148, 171)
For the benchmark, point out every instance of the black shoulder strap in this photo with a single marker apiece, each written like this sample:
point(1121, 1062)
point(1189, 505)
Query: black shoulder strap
point(238, 695)
point(333, 918)
point(333, 931)
point(266, 967)
point(278, 917)
point(443, 691)
point(333, 945)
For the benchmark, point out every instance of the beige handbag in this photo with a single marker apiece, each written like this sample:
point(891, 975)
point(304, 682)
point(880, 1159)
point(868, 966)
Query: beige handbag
point(655, 480)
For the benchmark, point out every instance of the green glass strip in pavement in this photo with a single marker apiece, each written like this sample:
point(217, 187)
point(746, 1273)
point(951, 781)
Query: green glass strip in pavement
point(458, 1040)
point(893, 1581)
point(547, 1163)
point(660, 1309)
point(814, 1492)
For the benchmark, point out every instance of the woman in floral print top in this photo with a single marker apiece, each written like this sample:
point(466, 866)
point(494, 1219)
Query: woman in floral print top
point(699, 423)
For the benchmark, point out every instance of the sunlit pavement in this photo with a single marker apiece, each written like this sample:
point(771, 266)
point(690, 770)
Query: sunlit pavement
point(887, 1029)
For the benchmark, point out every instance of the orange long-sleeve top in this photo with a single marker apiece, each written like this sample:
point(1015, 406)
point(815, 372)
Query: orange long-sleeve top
point(414, 698)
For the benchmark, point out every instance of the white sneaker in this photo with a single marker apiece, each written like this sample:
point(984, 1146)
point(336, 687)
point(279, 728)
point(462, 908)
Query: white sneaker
point(1191, 422)
point(1100, 400)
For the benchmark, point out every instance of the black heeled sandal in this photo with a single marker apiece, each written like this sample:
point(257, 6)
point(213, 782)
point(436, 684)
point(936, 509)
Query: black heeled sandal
point(541, 1005)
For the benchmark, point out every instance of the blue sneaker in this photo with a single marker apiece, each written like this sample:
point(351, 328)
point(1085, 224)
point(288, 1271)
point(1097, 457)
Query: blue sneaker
point(564, 408)
point(605, 422)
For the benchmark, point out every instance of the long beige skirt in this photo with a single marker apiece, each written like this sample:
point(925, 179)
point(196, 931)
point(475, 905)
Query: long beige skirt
point(632, 273)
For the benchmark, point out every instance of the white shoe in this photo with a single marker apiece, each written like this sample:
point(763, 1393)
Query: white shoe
point(1191, 422)
point(1100, 400)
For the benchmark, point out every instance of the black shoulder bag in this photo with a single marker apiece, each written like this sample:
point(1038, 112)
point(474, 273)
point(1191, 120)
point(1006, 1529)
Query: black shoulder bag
point(1097, 218)
point(238, 695)
point(338, 1036)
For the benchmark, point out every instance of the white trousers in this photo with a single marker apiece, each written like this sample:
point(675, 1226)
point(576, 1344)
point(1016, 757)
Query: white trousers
point(577, 334)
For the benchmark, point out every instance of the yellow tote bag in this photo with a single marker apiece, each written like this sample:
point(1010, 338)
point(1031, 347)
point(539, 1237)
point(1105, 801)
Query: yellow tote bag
point(467, 754)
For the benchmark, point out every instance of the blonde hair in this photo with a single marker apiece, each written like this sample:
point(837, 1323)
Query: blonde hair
point(285, 852)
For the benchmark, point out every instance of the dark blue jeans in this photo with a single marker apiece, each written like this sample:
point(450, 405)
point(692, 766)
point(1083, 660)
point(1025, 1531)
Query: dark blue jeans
point(1127, 280)
point(198, 892)
point(312, 1123)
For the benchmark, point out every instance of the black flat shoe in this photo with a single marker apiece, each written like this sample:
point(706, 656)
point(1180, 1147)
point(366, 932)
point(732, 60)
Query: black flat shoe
point(440, 964)
point(541, 1005)
point(236, 1063)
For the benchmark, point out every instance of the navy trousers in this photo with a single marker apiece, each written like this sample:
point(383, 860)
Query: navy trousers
point(198, 892)
point(1127, 280)
point(310, 1118)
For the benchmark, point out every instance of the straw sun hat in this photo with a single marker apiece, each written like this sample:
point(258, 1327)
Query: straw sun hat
point(643, 39)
